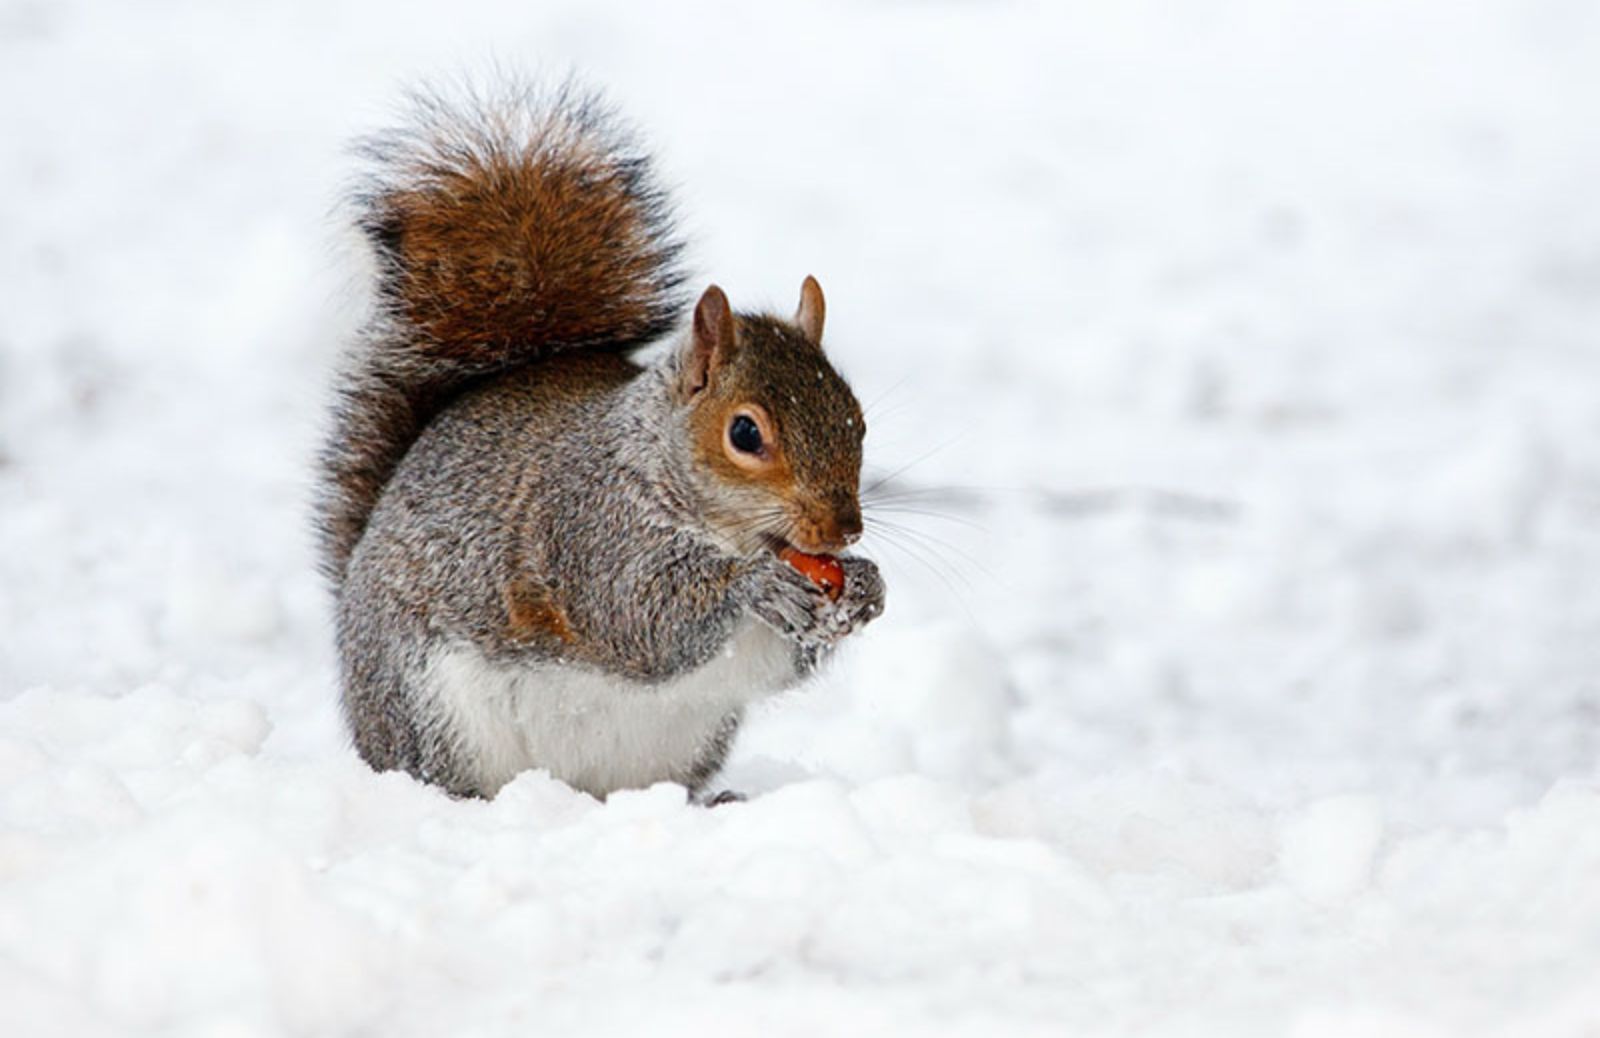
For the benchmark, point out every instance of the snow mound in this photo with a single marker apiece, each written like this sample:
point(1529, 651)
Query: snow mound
point(1233, 377)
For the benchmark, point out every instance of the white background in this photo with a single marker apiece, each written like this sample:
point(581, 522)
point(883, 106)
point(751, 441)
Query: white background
point(1241, 673)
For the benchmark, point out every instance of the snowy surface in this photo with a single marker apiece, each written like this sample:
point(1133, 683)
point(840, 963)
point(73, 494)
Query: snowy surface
point(1241, 673)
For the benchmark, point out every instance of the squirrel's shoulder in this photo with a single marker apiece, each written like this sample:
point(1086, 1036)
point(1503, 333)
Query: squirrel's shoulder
point(555, 384)
point(520, 419)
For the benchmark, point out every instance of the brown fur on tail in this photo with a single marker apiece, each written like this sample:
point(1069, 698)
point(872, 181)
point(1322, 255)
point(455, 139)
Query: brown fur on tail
point(507, 226)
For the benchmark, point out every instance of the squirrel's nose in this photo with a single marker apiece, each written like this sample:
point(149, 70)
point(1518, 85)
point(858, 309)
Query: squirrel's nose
point(848, 521)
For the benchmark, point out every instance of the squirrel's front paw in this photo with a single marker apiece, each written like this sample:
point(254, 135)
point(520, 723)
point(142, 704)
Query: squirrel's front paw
point(862, 600)
point(793, 606)
point(804, 613)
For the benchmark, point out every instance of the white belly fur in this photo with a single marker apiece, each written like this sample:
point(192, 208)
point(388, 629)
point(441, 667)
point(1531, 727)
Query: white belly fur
point(595, 732)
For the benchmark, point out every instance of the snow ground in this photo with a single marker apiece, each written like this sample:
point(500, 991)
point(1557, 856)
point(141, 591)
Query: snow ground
point(1249, 683)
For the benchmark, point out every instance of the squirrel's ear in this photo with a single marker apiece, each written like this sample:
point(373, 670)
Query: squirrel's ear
point(711, 341)
point(812, 309)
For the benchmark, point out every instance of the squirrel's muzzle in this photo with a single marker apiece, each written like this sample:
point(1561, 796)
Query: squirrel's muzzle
point(829, 528)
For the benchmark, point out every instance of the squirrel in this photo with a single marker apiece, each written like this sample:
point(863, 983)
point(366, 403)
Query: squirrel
point(550, 508)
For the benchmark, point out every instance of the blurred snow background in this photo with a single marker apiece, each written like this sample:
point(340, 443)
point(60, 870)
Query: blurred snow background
point(1240, 365)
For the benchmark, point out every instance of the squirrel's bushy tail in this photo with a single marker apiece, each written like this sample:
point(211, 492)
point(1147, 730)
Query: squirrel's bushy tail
point(507, 225)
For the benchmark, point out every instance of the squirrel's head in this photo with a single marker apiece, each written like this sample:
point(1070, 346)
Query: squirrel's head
point(776, 433)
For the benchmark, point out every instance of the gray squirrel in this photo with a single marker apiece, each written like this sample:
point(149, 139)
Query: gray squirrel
point(548, 552)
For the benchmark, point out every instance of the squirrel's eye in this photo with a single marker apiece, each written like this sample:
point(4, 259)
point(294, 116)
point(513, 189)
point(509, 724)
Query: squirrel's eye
point(744, 434)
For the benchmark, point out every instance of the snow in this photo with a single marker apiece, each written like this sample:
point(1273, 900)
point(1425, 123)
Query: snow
point(1326, 852)
point(1240, 368)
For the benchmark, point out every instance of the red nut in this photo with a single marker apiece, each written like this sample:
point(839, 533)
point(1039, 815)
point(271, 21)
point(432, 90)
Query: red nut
point(822, 570)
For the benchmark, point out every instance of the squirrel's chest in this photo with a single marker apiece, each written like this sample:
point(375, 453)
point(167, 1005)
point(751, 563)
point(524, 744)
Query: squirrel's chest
point(593, 731)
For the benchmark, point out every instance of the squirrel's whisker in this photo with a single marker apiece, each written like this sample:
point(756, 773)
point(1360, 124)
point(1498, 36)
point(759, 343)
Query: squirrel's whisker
point(878, 508)
point(939, 568)
point(939, 545)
